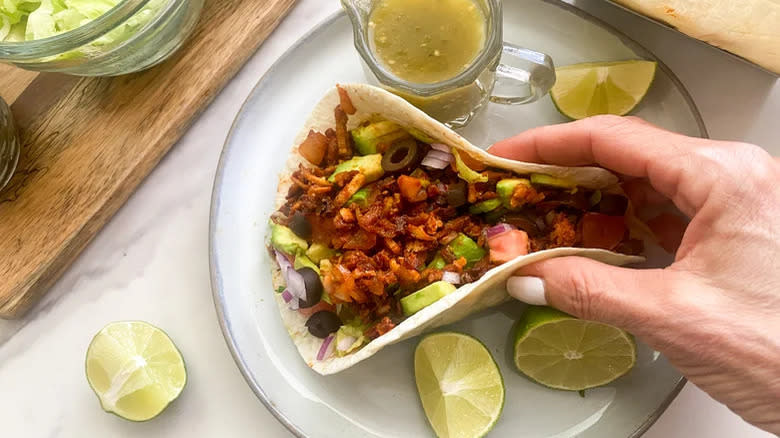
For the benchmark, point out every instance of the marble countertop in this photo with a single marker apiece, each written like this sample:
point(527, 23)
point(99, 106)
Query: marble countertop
point(151, 263)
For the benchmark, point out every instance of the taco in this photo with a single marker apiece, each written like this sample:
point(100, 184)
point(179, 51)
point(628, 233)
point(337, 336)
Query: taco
point(388, 224)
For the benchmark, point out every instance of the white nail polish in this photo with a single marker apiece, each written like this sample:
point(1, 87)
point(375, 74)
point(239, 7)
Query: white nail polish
point(527, 289)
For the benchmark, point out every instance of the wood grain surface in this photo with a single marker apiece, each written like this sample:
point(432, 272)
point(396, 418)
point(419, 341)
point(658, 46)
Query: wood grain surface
point(88, 142)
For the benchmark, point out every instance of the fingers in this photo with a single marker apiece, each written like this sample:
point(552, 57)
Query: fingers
point(625, 145)
point(623, 297)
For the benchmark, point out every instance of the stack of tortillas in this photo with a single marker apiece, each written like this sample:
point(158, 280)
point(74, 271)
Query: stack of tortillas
point(748, 28)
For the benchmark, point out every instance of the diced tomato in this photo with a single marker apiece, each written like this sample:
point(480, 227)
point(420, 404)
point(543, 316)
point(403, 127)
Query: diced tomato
point(669, 229)
point(322, 305)
point(411, 188)
point(602, 231)
point(508, 245)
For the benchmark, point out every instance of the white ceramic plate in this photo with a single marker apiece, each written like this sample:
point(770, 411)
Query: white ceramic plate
point(377, 398)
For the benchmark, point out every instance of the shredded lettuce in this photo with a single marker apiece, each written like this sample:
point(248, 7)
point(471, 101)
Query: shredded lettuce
point(27, 20)
point(349, 338)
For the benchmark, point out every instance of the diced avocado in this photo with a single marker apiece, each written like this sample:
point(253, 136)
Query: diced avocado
point(506, 187)
point(301, 261)
point(318, 252)
point(370, 166)
point(463, 246)
point(368, 137)
point(465, 172)
point(426, 296)
point(360, 197)
point(548, 180)
point(485, 206)
point(283, 239)
point(438, 262)
point(419, 135)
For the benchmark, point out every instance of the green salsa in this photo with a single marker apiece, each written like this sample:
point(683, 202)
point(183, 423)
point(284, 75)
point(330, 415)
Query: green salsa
point(426, 41)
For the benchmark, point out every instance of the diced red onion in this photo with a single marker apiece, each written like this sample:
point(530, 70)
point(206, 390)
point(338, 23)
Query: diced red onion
point(441, 147)
point(434, 163)
point(292, 302)
point(284, 263)
point(451, 277)
point(295, 284)
point(495, 230)
point(443, 156)
point(294, 281)
point(438, 158)
point(345, 342)
point(326, 348)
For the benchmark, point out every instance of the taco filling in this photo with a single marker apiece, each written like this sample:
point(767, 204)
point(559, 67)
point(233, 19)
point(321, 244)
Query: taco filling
point(385, 221)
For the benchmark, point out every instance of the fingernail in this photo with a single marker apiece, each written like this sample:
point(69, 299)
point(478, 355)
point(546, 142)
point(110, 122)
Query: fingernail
point(529, 290)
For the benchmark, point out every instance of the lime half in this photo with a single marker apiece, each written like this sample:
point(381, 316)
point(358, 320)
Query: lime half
point(560, 351)
point(459, 383)
point(584, 90)
point(134, 369)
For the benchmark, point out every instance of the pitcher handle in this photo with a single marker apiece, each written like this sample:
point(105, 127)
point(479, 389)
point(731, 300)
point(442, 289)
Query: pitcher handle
point(523, 76)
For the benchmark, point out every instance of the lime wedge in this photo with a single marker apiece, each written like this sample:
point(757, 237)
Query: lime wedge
point(459, 383)
point(134, 369)
point(563, 352)
point(584, 90)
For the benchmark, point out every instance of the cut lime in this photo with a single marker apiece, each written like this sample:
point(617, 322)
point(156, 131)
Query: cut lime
point(459, 383)
point(563, 352)
point(134, 369)
point(584, 90)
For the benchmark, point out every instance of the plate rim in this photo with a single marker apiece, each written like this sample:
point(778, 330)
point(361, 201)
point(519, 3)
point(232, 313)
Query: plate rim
point(215, 276)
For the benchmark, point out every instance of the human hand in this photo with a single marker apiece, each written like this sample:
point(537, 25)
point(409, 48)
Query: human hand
point(715, 312)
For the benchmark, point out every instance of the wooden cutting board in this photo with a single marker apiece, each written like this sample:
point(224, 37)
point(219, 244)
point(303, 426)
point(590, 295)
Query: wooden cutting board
point(88, 142)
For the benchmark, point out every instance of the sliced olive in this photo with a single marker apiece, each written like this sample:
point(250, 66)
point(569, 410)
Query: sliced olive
point(300, 225)
point(323, 323)
point(402, 156)
point(313, 287)
point(457, 193)
point(612, 205)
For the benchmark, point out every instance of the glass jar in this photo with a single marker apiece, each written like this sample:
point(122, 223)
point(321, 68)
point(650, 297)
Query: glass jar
point(134, 35)
point(9, 144)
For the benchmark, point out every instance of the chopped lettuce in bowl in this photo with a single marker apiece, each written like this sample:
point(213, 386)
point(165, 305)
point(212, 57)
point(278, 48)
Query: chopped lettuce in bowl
point(93, 37)
point(24, 20)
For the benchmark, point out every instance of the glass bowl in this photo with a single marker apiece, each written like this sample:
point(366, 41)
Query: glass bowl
point(134, 35)
point(9, 144)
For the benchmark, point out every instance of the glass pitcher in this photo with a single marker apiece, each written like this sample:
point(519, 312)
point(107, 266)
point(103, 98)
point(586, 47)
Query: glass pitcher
point(500, 72)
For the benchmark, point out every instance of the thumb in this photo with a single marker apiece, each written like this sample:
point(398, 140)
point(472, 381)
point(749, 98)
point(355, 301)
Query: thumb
point(592, 290)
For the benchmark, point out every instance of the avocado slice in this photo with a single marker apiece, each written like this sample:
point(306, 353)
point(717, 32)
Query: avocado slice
point(360, 197)
point(426, 296)
point(368, 137)
point(506, 187)
point(438, 262)
point(463, 246)
point(548, 180)
point(284, 240)
point(301, 261)
point(370, 166)
point(485, 206)
point(318, 252)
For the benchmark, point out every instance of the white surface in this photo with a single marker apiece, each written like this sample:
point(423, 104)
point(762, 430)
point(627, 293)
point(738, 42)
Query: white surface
point(150, 262)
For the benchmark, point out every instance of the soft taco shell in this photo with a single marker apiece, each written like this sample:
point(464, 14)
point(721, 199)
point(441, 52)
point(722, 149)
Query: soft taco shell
point(488, 291)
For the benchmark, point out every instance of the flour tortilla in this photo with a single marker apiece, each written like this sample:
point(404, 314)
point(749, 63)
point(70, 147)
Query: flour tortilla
point(748, 28)
point(488, 291)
